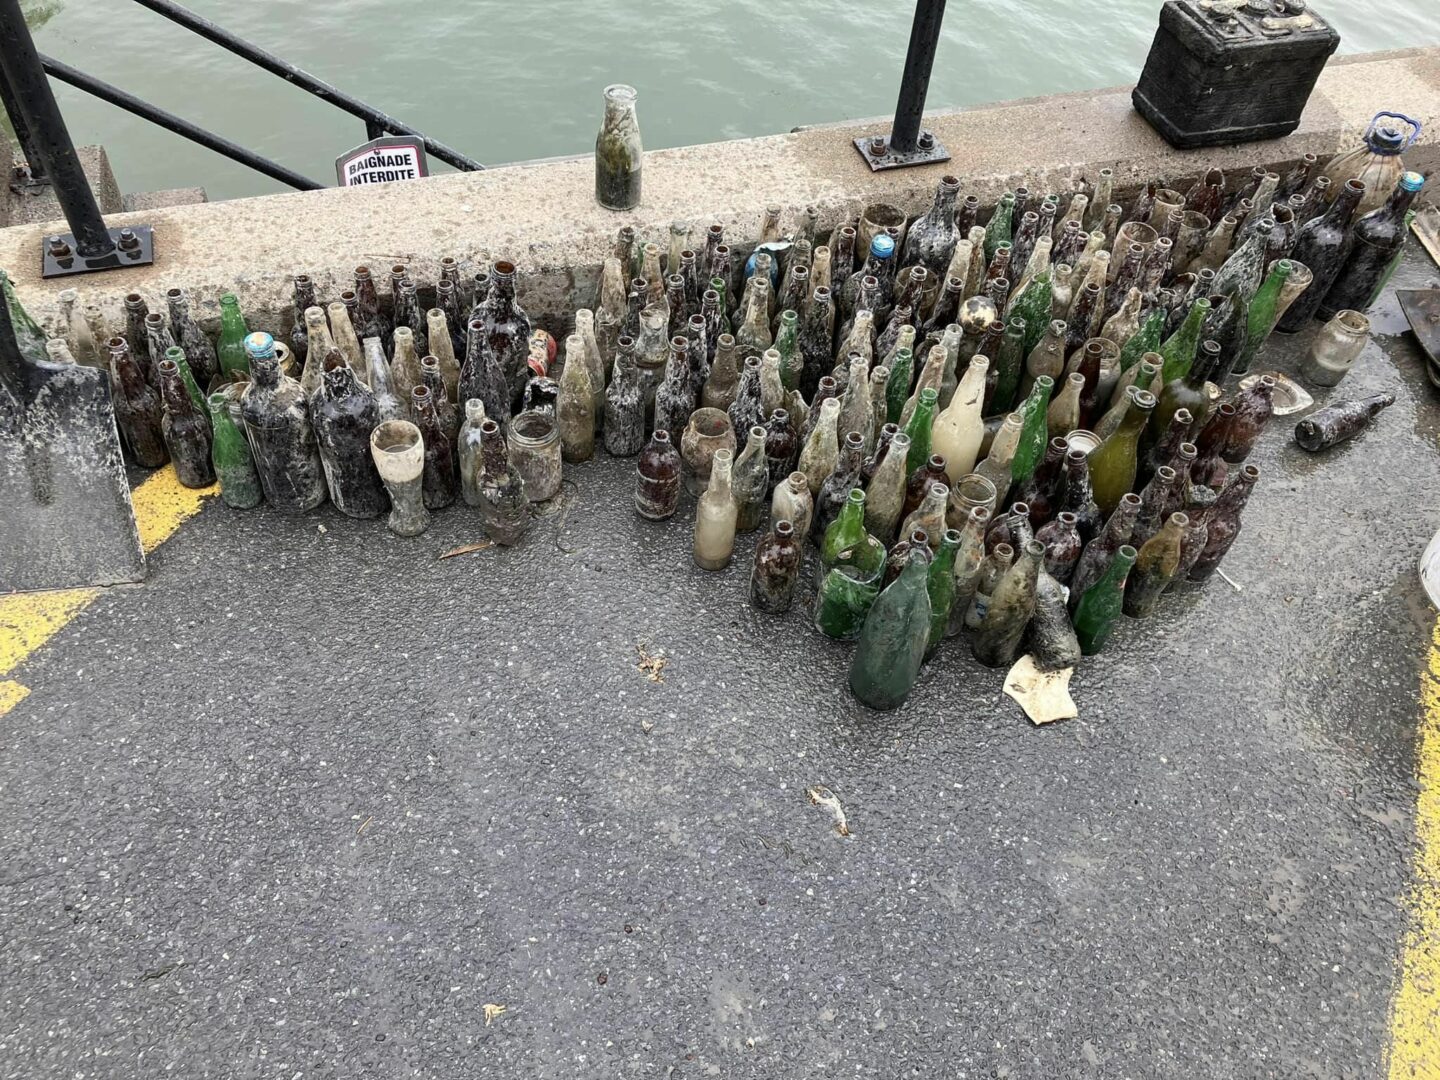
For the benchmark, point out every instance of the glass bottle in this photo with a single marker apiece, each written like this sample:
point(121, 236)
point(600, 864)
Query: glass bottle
point(816, 341)
point(1178, 351)
point(1209, 467)
point(1052, 642)
point(1034, 433)
point(1223, 523)
point(929, 516)
point(657, 479)
point(1184, 393)
point(776, 569)
point(1321, 245)
point(432, 377)
point(409, 313)
point(1260, 319)
point(230, 456)
point(715, 517)
point(1000, 227)
point(438, 481)
point(138, 409)
point(822, 448)
point(969, 557)
point(992, 570)
point(481, 375)
point(787, 348)
point(399, 455)
point(387, 402)
point(723, 383)
point(344, 415)
point(442, 347)
point(1046, 486)
point(1164, 449)
point(1078, 497)
point(957, 432)
point(885, 494)
point(1373, 242)
point(302, 297)
point(504, 507)
point(932, 471)
point(1198, 505)
point(749, 482)
point(1098, 609)
point(230, 355)
point(470, 452)
point(505, 331)
point(1113, 462)
point(1254, 406)
point(534, 446)
point(1335, 423)
point(369, 320)
point(1096, 556)
point(186, 433)
point(1154, 499)
point(199, 353)
point(897, 390)
point(997, 466)
point(1009, 610)
point(835, 489)
point(1063, 414)
point(931, 239)
point(892, 642)
point(919, 427)
point(851, 570)
point(782, 446)
point(619, 155)
point(792, 502)
point(1061, 539)
point(277, 420)
point(1156, 563)
point(772, 390)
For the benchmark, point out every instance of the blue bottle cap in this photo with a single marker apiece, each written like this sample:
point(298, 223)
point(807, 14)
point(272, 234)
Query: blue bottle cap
point(883, 246)
point(259, 344)
point(1412, 181)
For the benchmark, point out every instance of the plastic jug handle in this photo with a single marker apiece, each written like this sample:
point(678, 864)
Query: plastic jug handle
point(1414, 127)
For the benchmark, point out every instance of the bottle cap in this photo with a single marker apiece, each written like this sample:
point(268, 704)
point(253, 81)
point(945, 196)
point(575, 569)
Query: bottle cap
point(882, 247)
point(1412, 181)
point(259, 344)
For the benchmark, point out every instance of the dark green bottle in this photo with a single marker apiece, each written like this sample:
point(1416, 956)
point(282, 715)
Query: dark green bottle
point(941, 586)
point(1145, 340)
point(1032, 305)
point(852, 563)
point(28, 334)
point(1185, 392)
point(230, 454)
point(1000, 228)
point(1034, 430)
point(1100, 605)
point(230, 349)
point(1008, 368)
point(892, 642)
point(1262, 316)
point(1178, 350)
point(897, 390)
point(922, 420)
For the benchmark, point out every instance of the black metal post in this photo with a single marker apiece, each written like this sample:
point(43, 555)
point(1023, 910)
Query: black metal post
point(908, 144)
point(50, 140)
point(170, 122)
point(8, 101)
point(374, 118)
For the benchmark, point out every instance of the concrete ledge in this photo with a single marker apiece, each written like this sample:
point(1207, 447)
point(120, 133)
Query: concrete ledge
point(141, 201)
point(43, 209)
point(544, 216)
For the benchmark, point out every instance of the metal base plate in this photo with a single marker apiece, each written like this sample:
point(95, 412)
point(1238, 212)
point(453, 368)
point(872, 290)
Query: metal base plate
point(875, 149)
point(139, 253)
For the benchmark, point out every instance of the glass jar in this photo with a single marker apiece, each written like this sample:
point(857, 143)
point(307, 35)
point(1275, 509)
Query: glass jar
point(534, 440)
point(970, 491)
point(1335, 349)
point(618, 153)
point(709, 430)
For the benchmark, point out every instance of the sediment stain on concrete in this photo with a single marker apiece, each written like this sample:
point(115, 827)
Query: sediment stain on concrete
point(1415, 1016)
point(28, 620)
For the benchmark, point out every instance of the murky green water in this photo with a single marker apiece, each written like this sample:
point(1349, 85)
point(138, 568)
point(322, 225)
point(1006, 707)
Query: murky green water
point(507, 81)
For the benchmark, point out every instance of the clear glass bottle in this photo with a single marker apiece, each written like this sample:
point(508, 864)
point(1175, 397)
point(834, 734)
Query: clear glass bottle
point(619, 154)
point(470, 451)
point(715, 517)
point(399, 455)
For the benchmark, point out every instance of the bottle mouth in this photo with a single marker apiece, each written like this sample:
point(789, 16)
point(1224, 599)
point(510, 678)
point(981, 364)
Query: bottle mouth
point(620, 94)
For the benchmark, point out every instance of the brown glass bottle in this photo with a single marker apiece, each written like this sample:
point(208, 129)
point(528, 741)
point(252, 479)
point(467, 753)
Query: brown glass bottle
point(657, 478)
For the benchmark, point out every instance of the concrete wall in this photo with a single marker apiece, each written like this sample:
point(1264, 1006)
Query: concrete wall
point(543, 216)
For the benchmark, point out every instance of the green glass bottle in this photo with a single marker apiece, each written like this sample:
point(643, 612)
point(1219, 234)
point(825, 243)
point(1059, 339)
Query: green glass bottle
point(922, 421)
point(1264, 314)
point(1178, 350)
point(941, 586)
point(230, 454)
point(1113, 462)
point(1009, 366)
point(1001, 226)
point(787, 344)
point(852, 565)
point(892, 642)
point(897, 390)
point(1155, 567)
point(230, 349)
point(174, 352)
point(1034, 430)
point(1099, 607)
point(1032, 305)
point(28, 334)
point(1183, 393)
point(847, 530)
point(1144, 340)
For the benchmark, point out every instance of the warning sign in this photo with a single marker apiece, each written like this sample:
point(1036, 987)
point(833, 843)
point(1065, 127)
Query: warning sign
point(381, 161)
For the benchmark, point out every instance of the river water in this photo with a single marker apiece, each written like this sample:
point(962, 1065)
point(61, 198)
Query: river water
point(508, 81)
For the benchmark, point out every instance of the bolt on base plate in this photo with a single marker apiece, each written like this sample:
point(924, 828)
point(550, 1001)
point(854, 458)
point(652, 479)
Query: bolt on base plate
point(876, 151)
point(134, 246)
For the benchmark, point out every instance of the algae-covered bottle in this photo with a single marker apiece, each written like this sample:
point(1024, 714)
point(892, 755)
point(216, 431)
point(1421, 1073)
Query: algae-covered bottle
point(618, 151)
point(277, 419)
point(892, 642)
point(1156, 563)
point(1113, 462)
point(1009, 610)
point(657, 478)
point(230, 454)
point(776, 569)
point(1034, 430)
point(1099, 607)
point(715, 517)
point(186, 432)
point(750, 482)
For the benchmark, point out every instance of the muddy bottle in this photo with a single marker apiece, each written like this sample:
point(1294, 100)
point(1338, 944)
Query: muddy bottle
point(399, 455)
point(920, 427)
point(776, 569)
point(438, 482)
point(1335, 423)
point(835, 489)
point(433, 379)
point(723, 383)
point(470, 452)
point(750, 482)
point(793, 502)
point(1098, 553)
point(1240, 274)
point(1254, 406)
point(1260, 319)
point(1153, 503)
point(576, 413)
point(138, 410)
point(302, 298)
point(1178, 351)
point(158, 341)
point(624, 427)
point(481, 375)
point(969, 557)
point(1009, 610)
point(1046, 486)
point(505, 330)
point(1052, 640)
point(1063, 414)
point(931, 239)
point(1079, 496)
point(897, 389)
point(1061, 539)
point(1198, 504)
point(816, 340)
point(1098, 609)
point(277, 420)
point(1223, 522)
point(1209, 467)
point(186, 433)
point(877, 266)
point(1156, 563)
point(1373, 242)
point(1113, 463)
point(409, 313)
point(1320, 244)
point(1168, 445)
point(1011, 526)
point(748, 408)
point(929, 516)
point(997, 464)
point(199, 353)
point(369, 320)
point(1008, 368)
point(886, 492)
point(1187, 393)
point(504, 507)
point(715, 517)
point(387, 402)
point(892, 642)
point(230, 355)
point(822, 449)
point(958, 431)
point(657, 478)
point(992, 570)
point(442, 347)
point(932, 471)
point(344, 415)
point(782, 447)
point(619, 155)
point(230, 455)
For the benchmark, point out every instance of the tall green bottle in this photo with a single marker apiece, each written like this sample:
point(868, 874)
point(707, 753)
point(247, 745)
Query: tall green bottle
point(852, 565)
point(28, 334)
point(174, 352)
point(1009, 367)
point(897, 390)
point(922, 420)
point(1100, 605)
point(1033, 305)
point(230, 454)
point(1178, 350)
point(1144, 340)
point(941, 586)
point(1034, 430)
point(230, 348)
point(892, 642)
point(1263, 316)
point(1113, 462)
point(1001, 227)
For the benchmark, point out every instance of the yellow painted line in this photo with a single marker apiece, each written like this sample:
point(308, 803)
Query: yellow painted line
point(28, 620)
point(1415, 1015)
